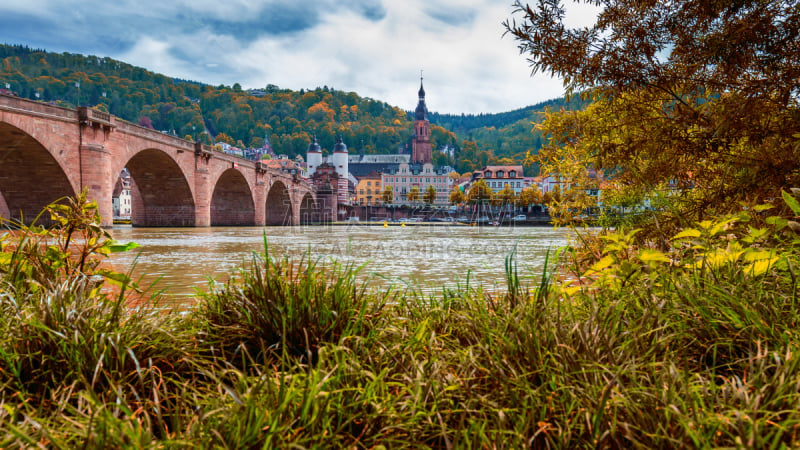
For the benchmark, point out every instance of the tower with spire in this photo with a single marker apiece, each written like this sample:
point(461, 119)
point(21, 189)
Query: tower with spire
point(313, 156)
point(421, 143)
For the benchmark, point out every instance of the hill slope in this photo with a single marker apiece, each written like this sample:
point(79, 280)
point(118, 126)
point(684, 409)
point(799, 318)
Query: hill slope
point(288, 119)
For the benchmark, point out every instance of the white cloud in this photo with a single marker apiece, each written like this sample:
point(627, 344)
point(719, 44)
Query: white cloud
point(468, 68)
point(375, 49)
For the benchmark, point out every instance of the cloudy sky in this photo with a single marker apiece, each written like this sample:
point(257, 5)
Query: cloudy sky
point(373, 47)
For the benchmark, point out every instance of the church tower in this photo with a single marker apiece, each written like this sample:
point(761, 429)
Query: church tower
point(421, 144)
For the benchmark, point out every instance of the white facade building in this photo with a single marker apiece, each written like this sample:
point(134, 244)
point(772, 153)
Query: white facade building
point(408, 176)
point(498, 177)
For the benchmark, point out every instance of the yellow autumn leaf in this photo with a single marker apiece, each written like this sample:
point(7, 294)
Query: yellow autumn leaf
point(568, 291)
point(758, 255)
point(602, 264)
point(649, 255)
point(761, 266)
point(689, 233)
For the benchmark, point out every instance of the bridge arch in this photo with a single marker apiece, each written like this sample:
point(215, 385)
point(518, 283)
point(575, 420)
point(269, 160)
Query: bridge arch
point(309, 210)
point(30, 177)
point(279, 205)
point(160, 194)
point(232, 200)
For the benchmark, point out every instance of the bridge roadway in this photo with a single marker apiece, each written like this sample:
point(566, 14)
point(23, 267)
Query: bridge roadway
point(49, 152)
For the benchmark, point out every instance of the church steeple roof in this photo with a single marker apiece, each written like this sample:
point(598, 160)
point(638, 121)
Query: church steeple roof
point(314, 146)
point(339, 147)
point(422, 111)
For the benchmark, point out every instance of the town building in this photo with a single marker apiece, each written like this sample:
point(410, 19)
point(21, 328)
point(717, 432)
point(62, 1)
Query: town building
point(448, 150)
point(369, 190)
point(408, 176)
point(121, 197)
point(362, 165)
point(419, 172)
point(326, 181)
point(368, 175)
point(284, 164)
point(498, 177)
point(340, 163)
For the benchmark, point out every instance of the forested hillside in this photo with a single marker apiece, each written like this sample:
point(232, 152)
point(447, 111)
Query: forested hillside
point(245, 118)
point(502, 138)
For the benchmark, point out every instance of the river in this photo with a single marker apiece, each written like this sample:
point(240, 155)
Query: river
point(426, 256)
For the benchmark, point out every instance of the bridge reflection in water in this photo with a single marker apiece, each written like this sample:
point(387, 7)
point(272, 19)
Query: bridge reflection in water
point(426, 256)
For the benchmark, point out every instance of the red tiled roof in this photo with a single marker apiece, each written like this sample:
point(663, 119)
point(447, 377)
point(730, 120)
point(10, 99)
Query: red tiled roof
point(505, 169)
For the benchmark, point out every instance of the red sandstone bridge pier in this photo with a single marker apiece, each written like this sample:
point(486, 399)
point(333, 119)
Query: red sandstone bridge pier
point(48, 152)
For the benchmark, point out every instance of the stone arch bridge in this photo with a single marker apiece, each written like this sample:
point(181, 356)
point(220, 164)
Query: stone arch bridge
point(48, 152)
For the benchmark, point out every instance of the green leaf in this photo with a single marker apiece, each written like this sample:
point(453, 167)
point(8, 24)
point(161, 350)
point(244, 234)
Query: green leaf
point(721, 226)
point(792, 202)
point(116, 278)
point(759, 208)
point(117, 247)
point(778, 221)
point(758, 233)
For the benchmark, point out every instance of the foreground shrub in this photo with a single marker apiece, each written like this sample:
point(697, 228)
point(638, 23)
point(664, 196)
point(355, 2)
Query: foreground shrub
point(68, 344)
point(283, 307)
point(691, 345)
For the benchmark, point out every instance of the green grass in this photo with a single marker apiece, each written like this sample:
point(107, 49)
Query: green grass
point(295, 354)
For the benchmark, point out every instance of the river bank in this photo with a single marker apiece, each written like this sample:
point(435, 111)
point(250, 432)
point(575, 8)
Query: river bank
point(648, 350)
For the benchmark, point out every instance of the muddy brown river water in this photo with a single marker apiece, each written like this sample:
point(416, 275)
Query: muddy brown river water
point(427, 256)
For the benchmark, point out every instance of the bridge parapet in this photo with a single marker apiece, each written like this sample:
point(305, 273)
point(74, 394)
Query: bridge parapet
point(39, 109)
point(95, 118)
point(153, 135)
point(203, 151)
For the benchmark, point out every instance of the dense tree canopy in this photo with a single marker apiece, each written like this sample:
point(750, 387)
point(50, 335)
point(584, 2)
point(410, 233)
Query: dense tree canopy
point(694, 99)
point(479, 193)
point(456, 196)
point(387, 195)
point(429, 197)
point(413, 194)
point(531, 195)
